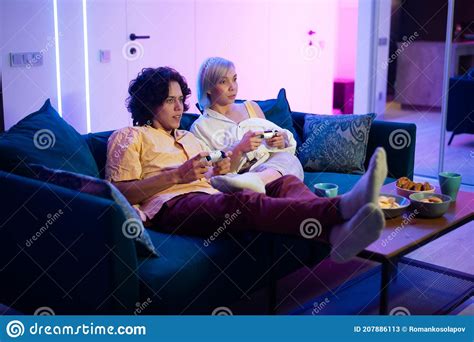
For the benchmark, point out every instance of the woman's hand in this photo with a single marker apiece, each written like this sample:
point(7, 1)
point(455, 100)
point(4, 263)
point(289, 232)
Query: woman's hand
point(250, 141)
point(278, 141)
point(222, 167)
point(193, 169)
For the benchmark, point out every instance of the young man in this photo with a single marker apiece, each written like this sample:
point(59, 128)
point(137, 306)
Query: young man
point(163, 169)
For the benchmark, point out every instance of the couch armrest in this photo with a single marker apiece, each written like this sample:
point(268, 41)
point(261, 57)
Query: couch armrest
point(63, 249)
point(401, 153)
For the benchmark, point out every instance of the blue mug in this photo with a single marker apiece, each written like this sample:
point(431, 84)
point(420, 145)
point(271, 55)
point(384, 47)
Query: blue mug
point(326, 189)
point(449, 182)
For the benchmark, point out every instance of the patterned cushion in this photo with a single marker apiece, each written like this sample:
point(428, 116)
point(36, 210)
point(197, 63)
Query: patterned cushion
point(132, 227)
point(335, 143)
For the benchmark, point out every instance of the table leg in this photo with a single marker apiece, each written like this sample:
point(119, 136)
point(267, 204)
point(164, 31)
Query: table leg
point(389, 270)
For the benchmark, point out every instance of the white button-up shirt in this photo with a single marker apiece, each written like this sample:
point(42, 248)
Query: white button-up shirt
point(219, 132)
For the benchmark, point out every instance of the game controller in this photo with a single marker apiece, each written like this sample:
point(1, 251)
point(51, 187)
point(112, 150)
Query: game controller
point(215, 156)
point(268, 134)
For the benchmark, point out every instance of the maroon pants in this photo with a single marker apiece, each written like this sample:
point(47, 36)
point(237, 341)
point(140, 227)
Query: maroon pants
point(289, 207)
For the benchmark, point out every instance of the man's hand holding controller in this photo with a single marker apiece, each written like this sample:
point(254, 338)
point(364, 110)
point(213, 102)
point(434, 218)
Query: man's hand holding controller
point(200, 165)
point(194, 168)
point(220, 161)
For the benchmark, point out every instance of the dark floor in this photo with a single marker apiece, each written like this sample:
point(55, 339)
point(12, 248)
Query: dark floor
point(352, 288)
point(459, 156)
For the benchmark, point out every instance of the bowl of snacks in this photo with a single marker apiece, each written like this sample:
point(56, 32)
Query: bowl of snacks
point(393, 205)
point(430, 205)
point(406, 187)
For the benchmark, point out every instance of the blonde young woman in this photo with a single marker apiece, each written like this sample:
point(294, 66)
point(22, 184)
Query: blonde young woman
point(238, 127)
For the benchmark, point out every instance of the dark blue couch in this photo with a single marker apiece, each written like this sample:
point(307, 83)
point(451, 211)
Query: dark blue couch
point(460, 116)
point(87, 266)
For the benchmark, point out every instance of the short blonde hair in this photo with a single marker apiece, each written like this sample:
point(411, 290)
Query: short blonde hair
point(210, 72)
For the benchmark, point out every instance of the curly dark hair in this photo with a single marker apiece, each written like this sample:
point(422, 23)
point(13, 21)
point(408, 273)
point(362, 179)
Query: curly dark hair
point(149, 90)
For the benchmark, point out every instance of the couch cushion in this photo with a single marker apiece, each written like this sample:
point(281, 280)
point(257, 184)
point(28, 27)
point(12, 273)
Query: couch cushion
point(132, 227)
point(180, 280)
point(298, 124)
point(97, 143)
point(343, 180)
point(193, 278)
point(187, 120)
point(335, 143)
point(45, 138)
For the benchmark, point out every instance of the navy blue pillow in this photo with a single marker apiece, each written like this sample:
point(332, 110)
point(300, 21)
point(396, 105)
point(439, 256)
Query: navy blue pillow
point(278, 111)
point(45, 138)
point(187, 120)
point(131, 228)
point(335, 143)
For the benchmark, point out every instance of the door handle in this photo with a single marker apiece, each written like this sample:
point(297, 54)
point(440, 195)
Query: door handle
point(133, 36)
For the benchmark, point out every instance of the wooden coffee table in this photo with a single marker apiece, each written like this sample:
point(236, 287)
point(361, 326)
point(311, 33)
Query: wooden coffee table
point(402, 235)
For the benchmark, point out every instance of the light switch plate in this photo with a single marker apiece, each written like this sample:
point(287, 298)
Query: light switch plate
point(26, 59)
point(105, 56)
point(16, 59)
point(32, 59)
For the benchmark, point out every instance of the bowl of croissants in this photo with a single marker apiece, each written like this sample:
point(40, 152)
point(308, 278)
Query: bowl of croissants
point(430, 205)
point(406, 187)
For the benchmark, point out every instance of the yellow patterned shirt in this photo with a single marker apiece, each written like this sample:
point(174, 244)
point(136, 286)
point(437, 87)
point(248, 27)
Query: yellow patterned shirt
point(136, 153)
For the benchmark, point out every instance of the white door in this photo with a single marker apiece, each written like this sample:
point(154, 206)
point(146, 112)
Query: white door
point(169, 24)
point(267, 40)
